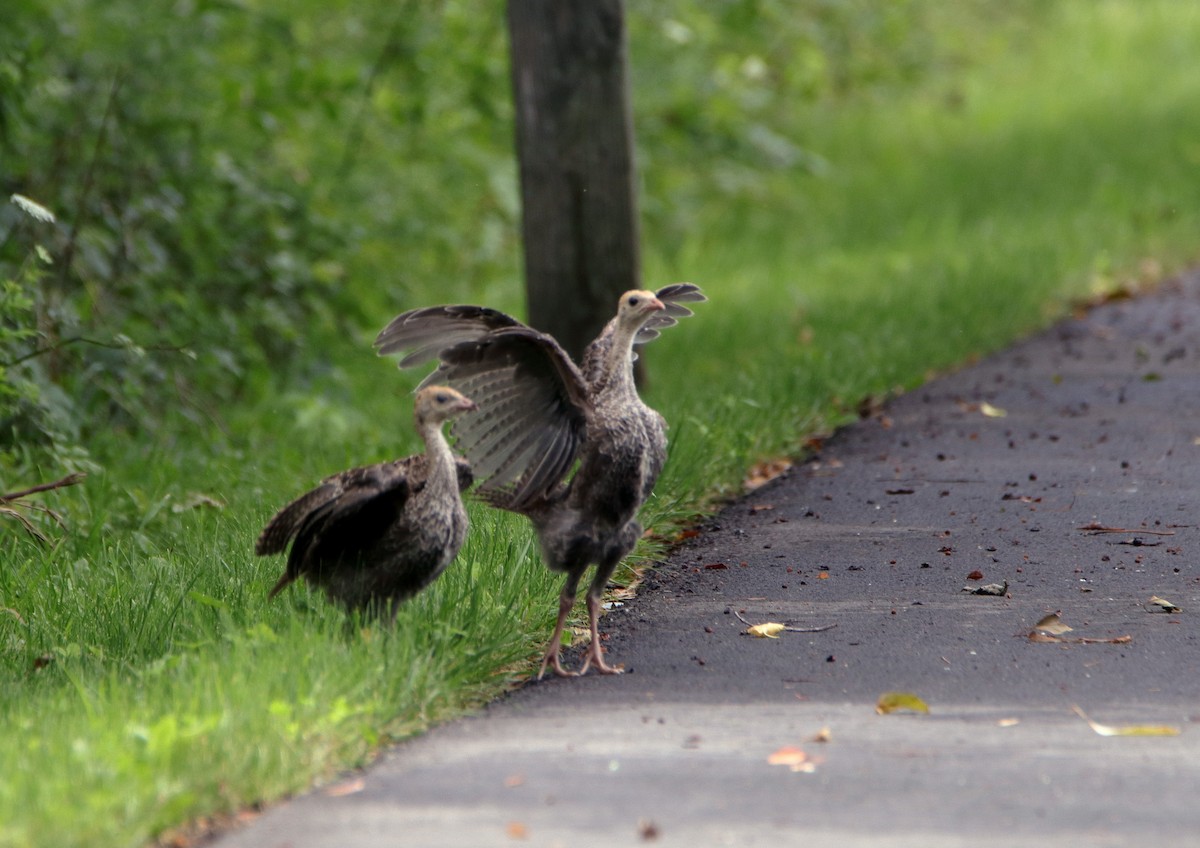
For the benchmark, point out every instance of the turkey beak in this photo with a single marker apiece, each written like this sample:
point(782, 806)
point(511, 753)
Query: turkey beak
point(467, 405)
point(654, 305)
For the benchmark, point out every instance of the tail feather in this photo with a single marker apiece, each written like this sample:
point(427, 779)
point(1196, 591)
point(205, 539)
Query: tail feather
point(284, 581)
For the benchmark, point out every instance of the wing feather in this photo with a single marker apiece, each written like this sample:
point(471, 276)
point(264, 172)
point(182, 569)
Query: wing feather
point(531, 402)
point(338, 497)
point(673, 297)
point(426, 332)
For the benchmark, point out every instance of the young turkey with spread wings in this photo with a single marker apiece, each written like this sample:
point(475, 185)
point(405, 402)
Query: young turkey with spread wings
point(374, 536)
point(539, 415)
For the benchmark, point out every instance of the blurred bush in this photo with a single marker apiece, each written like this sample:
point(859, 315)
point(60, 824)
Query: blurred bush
point(237, 183)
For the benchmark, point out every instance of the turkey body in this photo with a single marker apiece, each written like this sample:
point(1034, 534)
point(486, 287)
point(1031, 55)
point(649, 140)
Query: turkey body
point(540, 416)
point(374, 536)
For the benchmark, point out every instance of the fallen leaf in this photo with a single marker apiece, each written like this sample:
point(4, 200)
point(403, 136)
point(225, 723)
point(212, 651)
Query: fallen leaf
point(769, 630)
point(1008, 722)
point(997, 589)
point(346, 787)
point(824, 575)
point(1052, 624)
point(794, 758)
point(516, 830)
point(823, 735)
point(992, 411)
point(1097, 528)
point(647, 830)
point(975, 575)
point(761, 508)
point(1127, 729)
point(891, 702)
point(1035, 636)
point(764, 472)
point(716, 566)
point(1163, 604)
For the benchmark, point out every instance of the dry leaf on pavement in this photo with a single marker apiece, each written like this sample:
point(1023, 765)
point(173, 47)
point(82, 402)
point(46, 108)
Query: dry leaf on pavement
point(764, 472)
point(516, 830)
point(346, 787)
point(769, 630)
point(997, 589)
point(1162, 604)
point(1051, 628)
point(794, 758)
point(891, 702)
point(1052, 624)
point(1127, 729)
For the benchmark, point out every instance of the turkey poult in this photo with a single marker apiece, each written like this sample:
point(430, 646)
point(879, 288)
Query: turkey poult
point(538, 413)
point(374, 536)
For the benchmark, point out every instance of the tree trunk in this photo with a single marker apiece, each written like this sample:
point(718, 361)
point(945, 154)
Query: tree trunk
point(574, 144)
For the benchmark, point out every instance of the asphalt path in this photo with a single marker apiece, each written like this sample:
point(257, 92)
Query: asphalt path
point(1065, 469)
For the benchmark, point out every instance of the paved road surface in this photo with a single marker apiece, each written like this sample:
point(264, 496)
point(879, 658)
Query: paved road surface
point(878, 535)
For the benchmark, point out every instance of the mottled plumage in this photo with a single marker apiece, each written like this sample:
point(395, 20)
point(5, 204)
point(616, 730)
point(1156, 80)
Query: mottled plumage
point(373, 536)
point(539, 415)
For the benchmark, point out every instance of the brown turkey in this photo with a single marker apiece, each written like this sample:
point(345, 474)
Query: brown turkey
point(374, 536)
point(539, 415)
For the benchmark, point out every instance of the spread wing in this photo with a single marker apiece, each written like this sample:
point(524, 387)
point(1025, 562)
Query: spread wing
point(532, 411)
point(426, 332)
point(334, 512)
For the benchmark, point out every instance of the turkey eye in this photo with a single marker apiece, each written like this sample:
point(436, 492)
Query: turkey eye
point(633, 301)
point(442, 397)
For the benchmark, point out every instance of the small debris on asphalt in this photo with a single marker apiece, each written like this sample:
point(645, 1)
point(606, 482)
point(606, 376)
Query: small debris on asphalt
point(998, 589)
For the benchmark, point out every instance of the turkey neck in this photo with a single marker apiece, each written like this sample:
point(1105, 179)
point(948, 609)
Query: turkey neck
point(442, 474)
point(619, 379)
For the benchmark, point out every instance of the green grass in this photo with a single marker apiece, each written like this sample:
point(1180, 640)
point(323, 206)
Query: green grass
point(147, 681)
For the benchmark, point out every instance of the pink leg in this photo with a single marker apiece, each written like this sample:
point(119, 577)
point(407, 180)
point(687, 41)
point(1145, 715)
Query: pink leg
point(594, 654)
point(565, 602)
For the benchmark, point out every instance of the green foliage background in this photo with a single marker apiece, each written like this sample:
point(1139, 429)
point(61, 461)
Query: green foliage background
point(242, 186)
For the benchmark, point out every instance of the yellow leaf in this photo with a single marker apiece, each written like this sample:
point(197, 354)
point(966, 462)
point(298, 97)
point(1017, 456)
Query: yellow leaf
point(992, 411)
point(1164, 604)
point(890, 702)
point(1127, 729)
point(1008, 722)
point(766, 631)
point(1052, 624)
